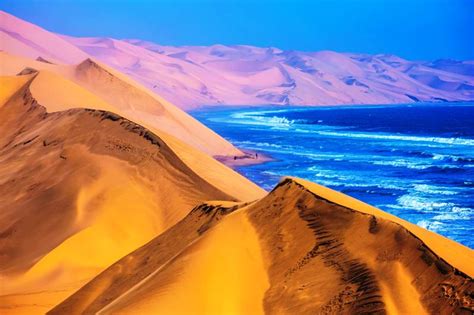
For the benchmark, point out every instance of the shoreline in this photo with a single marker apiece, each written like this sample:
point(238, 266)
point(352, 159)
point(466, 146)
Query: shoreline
point(323, 106)
point(250, 157)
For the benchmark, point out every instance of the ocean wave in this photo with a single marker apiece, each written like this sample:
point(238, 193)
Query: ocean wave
point(462, 215)
point(357, 179)
point(416, 165)
point(453, 158)
point(290, 150)
point(419, 203)
point(261, 118)
point(457, 213)
point(434, 226)
point(271, 173)
point(440, 140)
point(430, 189)
point(403, 163)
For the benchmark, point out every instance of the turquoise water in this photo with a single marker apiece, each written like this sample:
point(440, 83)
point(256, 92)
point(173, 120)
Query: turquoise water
point(416, 162)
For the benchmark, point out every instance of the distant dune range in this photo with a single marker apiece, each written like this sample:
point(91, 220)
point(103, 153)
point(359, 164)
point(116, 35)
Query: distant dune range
point(191, 76)
point(110, 202)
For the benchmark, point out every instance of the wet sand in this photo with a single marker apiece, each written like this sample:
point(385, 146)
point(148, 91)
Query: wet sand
point(250, 157)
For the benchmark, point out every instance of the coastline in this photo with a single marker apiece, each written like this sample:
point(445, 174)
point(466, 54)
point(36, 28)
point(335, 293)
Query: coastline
point(206, 107)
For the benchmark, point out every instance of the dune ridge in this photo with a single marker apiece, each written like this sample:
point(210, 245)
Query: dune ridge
point(318, 254)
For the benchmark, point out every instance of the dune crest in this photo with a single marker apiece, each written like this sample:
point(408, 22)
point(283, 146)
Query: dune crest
point(319, 253)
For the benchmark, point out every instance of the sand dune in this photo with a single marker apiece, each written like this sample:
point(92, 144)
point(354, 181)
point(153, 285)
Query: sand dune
point(26, 39)
point(83, 187)
point(98, 86)
point(192, 76)
point(302, 249)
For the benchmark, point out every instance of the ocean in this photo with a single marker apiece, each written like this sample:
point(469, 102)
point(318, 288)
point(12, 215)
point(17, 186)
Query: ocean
point(414, 161)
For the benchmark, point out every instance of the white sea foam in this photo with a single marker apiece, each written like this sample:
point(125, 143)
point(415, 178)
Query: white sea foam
point(412, 164)
point(403, 163)
point(430, 189)
point(261, 144)
point(260, 118)
point(419, 203)
point(434, 226)
point(380, 136)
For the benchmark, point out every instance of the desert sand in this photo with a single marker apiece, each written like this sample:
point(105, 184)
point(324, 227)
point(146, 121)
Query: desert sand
point(83, 187)
point(302, 249)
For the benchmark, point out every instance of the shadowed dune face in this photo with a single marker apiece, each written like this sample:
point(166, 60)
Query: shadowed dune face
point(81, 183)
point(304, 255)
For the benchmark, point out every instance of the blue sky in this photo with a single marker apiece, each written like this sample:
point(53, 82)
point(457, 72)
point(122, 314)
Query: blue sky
point(416, 29)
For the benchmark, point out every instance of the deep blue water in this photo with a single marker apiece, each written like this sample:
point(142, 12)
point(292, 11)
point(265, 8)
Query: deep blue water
point(416, 162)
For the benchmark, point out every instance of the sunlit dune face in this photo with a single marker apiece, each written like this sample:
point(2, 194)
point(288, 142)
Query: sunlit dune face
point(10, 85)
point(220, 273)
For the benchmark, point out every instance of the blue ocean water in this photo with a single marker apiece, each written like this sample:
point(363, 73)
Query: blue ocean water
point(415, 161)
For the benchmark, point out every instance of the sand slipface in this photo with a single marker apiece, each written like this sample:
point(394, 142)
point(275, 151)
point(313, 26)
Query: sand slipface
point(306, 250)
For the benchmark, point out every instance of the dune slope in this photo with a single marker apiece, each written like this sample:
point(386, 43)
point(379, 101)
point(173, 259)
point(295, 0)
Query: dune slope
point(84, 183)
point(23, 38)
point(302, 249)
point(104, 88)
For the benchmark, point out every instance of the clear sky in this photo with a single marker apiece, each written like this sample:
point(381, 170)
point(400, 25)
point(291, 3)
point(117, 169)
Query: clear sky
point(414, 29)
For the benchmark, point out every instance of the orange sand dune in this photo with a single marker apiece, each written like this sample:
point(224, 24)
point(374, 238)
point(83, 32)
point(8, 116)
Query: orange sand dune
point(81, 188)
point(71, 90)
point(302, 249)
point(101, 87)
